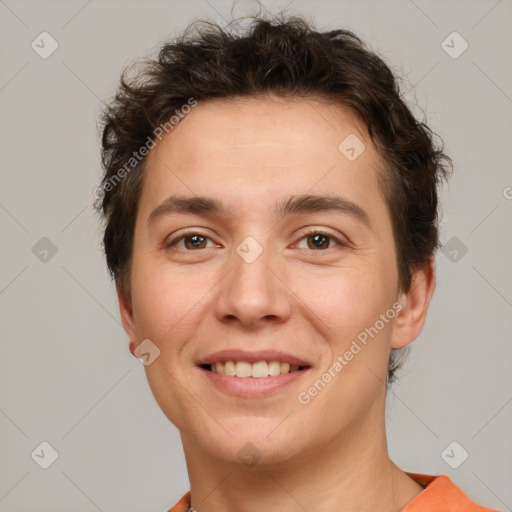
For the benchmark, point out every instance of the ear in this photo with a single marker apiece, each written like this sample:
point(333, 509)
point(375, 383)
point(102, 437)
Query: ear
point(127, 317)
point(411, 318)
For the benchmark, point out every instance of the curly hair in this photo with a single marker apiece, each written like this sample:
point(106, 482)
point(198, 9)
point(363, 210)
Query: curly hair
point(285, 57)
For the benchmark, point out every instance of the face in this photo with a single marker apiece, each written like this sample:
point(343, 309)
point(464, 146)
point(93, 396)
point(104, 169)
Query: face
point(254, 280)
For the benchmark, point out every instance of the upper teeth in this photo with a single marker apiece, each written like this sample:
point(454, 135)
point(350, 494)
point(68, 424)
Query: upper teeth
point(259, 369)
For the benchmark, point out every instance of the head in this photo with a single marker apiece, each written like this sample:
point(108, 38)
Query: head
point(246, 132)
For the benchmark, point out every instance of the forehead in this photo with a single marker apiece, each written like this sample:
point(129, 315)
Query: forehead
point(264, 147)
point(309, 125)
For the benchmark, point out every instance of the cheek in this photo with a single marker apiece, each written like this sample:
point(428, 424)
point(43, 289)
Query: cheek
point(344, 300)
point(351, 306)
point(168, 303)
point(347, 305)
point(169, 307)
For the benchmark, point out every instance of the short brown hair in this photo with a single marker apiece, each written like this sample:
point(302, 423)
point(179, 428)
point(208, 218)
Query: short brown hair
point(285, 57)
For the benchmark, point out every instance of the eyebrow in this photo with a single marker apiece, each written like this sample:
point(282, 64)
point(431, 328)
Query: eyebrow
point(198, 205)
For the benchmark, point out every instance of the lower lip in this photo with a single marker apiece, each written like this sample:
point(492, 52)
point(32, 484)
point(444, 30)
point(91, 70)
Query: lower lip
point(252, 386)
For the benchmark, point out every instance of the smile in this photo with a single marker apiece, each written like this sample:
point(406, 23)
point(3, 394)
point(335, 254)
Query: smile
point(260, 369)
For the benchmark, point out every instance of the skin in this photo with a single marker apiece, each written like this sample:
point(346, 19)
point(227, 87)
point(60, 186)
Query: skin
point(330, 454)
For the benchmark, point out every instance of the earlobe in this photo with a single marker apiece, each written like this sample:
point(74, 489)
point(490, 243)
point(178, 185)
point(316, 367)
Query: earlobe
point(127, 318)
point(411, 318)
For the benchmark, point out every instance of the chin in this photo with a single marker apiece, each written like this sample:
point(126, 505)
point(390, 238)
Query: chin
point(266, 448)
point(260, 442)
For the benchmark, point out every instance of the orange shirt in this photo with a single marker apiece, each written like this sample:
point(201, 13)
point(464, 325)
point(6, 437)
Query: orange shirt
point(440, 495)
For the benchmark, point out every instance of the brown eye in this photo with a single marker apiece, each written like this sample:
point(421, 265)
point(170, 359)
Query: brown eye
point(191, 242)
point(196, 241)
point(319, 241)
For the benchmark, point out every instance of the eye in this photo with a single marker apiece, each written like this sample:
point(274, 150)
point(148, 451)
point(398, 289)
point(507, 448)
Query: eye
point(318, 240)
point(192, 241)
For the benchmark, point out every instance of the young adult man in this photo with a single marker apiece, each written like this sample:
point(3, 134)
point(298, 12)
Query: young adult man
point(271, 220)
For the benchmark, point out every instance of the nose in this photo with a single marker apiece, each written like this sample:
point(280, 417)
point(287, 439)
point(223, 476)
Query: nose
point(254, 292)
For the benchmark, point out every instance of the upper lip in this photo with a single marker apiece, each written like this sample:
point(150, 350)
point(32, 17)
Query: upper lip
point(252, 357)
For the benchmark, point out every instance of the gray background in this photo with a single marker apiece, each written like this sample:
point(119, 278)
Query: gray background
point(67, 376)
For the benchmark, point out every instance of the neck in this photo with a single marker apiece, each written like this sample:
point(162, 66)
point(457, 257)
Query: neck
point(352, 472)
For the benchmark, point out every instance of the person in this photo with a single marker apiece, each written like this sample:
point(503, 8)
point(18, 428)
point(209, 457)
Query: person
point(270, 209)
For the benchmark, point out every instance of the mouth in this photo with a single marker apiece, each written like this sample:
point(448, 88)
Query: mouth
point(252, 374)
point(257, 370)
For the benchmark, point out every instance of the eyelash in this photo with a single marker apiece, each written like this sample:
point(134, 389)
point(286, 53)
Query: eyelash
point(169, 245)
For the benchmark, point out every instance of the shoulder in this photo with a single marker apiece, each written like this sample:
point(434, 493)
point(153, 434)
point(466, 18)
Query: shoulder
point(441, 495)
